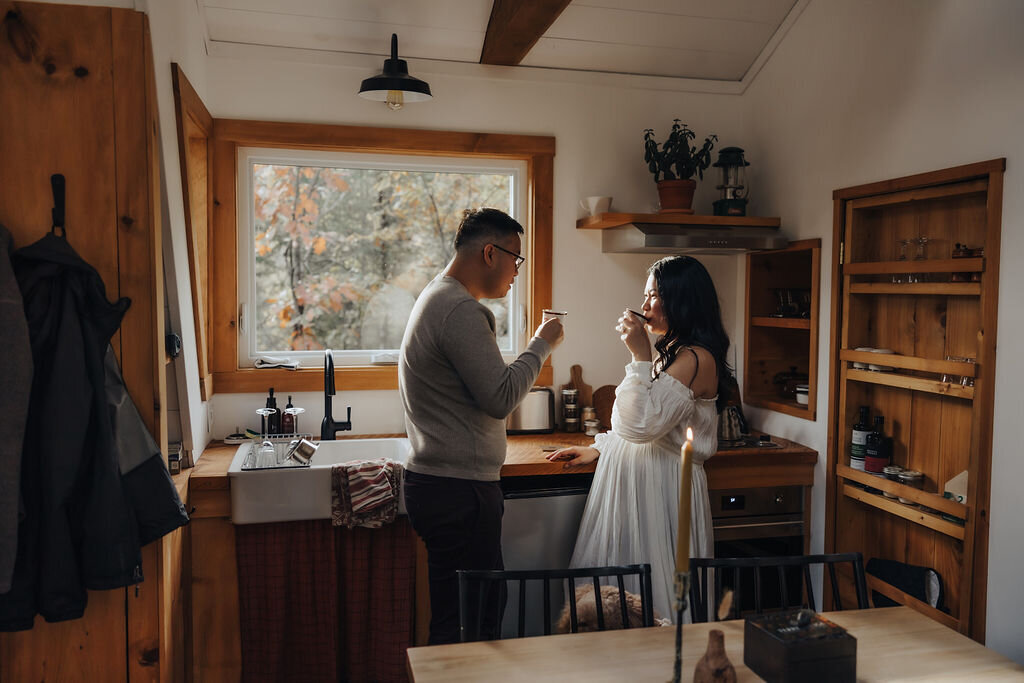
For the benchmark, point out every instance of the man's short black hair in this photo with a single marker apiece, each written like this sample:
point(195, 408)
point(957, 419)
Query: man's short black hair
point(480, 226)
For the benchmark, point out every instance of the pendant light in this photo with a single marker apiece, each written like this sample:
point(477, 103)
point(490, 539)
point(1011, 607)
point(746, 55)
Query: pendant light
point(394, 86)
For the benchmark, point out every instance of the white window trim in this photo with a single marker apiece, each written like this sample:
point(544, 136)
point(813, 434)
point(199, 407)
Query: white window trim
point(248, 156)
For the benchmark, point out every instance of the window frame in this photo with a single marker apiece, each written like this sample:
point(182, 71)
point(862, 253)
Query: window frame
point(248, 156)
point(537, 152)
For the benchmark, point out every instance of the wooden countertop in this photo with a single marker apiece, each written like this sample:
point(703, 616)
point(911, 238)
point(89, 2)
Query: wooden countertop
point(526, 456)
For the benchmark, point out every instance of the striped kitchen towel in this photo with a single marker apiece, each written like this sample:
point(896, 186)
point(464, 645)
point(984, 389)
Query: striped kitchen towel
point(365, 493)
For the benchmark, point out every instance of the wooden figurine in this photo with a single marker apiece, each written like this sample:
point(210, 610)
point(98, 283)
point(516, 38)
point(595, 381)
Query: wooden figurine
point(714, 666)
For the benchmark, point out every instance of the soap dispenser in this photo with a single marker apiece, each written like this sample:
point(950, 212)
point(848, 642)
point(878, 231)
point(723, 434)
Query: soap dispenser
point(288, 419)
point(274, 419)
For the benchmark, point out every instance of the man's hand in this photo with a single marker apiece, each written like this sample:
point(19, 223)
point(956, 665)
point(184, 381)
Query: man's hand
point(551, 331)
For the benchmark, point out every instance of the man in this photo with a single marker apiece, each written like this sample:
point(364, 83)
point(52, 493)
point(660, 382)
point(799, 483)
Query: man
point(457, 391)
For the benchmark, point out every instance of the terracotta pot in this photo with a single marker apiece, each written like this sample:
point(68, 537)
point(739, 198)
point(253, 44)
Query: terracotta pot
point(676, 195)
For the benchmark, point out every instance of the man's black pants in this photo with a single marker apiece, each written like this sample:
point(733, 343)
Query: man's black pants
point(459, 521)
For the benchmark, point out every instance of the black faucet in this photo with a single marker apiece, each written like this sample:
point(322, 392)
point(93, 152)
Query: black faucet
point(328, 428)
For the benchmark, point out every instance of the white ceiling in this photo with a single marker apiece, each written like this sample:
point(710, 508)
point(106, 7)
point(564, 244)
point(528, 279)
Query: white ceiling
point(694, 39)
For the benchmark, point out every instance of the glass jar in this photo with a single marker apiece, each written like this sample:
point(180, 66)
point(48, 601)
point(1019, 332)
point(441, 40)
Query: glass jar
point(572, 424)
point(570, 396)
point(892, 473)
point(910, 478)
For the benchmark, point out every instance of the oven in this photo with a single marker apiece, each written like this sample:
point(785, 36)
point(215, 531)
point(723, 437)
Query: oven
point(759, 522)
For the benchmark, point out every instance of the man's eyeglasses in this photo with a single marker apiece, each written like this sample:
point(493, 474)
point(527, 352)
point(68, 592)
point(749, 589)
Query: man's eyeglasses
point(520, 260)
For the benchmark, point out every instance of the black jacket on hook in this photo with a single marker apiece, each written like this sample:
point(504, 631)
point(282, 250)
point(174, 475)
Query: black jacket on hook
point(94, 484)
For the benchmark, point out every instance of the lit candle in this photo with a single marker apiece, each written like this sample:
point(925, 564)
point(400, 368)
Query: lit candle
point(685, 488)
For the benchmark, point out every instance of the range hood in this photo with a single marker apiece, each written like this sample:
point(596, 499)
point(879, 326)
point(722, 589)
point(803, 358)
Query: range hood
point(668, 234)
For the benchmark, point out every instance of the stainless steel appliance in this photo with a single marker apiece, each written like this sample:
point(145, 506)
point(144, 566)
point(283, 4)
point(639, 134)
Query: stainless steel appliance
point(535, 415)
point(759, 522)
point(538, 531)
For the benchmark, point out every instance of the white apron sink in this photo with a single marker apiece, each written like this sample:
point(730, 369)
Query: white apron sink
point(295, 493)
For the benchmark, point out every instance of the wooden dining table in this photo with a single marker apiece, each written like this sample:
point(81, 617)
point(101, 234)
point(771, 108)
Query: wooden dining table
point(893, 644)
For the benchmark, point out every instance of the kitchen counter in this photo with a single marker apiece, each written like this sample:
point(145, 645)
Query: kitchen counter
point(790, 464)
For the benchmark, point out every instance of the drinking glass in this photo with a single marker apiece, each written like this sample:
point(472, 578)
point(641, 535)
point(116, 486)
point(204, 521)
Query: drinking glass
point(898, 278)
point(295, 412)
point(921, 255)
point(266, 455)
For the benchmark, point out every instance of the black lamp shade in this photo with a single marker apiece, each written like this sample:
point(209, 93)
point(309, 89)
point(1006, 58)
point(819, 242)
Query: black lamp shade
point(395, 76)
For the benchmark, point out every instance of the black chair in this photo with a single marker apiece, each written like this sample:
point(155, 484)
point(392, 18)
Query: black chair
point(793, 575)
point(473, 586)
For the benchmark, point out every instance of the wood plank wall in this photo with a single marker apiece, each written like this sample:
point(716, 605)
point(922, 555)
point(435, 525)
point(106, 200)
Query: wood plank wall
point(79, 99)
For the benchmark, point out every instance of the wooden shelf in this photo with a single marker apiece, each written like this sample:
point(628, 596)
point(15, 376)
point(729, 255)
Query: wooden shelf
point(780, 405)
point(892, 379)
point(894, 593)
point(951, 265)
point(912, 514)
point(911, 363)
point(932, 500)
point(933, 288)
point(603, 221)
point(788, 323)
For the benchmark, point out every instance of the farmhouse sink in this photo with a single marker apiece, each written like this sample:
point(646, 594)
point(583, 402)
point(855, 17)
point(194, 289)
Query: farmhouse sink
point(294, 493)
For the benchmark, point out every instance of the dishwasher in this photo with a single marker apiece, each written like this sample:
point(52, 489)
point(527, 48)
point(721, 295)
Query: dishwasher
point(538, 531)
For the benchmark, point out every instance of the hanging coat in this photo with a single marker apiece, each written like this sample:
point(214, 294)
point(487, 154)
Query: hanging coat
point(86, 516)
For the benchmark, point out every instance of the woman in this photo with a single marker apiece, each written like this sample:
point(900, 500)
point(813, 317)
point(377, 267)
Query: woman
point(630, 516)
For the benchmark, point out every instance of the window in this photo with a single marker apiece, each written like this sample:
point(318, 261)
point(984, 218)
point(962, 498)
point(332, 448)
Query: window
point(528, 160)
point(334, 248)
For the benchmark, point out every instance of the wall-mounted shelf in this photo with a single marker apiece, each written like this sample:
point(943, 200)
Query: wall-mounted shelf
point(932, 500)
point(774, 344)
point(603, 221)
point(913, 514)
point(951, 265)
point(892, 379)
point(920, 288)
point(785, 323)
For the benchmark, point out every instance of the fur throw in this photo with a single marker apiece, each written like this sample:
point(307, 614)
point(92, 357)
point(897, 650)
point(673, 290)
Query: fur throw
point(586, 610)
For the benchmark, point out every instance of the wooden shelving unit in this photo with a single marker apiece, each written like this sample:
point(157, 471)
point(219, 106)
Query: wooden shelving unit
point(775, 344)
point(925, 310)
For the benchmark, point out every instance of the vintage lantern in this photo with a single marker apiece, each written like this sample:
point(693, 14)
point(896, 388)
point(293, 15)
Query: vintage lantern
point(733, 183)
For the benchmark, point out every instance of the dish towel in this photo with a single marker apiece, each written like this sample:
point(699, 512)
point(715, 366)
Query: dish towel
point(365, 493)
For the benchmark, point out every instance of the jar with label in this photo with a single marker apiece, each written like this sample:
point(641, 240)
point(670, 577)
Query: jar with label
point(572, 424)
point(570, 410)
point(570, 396)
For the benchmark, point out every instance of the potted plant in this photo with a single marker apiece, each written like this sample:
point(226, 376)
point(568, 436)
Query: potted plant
point(674, 165)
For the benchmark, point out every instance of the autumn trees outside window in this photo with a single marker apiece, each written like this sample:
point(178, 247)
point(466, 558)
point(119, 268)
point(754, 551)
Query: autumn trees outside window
point(334, 248)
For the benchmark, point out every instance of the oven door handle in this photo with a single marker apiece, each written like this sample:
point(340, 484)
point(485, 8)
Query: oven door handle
point(733, 532)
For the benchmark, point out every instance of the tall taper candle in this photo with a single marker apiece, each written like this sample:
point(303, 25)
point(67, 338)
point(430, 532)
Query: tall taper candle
point(685, 488)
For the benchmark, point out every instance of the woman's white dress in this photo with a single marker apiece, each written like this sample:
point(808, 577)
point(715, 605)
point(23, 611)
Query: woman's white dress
point(631, 512)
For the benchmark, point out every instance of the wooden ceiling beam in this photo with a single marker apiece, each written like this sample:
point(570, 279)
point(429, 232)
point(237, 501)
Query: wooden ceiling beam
point(515, 26)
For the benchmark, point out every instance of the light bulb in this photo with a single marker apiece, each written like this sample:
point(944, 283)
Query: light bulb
point(394, 100)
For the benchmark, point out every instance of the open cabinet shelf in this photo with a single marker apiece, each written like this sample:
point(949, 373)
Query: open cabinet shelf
point(937, 398)
point(782, 327)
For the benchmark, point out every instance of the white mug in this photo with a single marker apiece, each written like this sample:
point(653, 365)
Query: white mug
point(596, 205)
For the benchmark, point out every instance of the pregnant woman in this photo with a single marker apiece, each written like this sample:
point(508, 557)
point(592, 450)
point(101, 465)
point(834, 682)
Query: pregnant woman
point(630, 516)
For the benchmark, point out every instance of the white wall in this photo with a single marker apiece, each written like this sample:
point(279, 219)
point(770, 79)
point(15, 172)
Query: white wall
point(864, 90)
point(599, 138)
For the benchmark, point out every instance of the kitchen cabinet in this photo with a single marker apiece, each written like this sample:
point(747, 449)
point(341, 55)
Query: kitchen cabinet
point(781, 343)
point(79, 100)
point(938, 314)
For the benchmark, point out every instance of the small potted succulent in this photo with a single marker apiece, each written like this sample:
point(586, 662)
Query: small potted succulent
point(675, 163)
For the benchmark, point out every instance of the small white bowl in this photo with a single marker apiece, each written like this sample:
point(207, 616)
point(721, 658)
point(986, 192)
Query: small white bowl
point(857, 364)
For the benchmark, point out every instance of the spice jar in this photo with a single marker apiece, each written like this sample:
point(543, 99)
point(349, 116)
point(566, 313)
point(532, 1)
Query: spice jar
point(572, 424)
point(592, 426)
point(570, 410)
point(570, 396)
point(589, 413)
point(891, 472)
point(910, 478)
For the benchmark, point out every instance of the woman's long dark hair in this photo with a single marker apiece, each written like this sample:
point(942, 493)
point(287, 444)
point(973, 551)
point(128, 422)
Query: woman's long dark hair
point(690, 303)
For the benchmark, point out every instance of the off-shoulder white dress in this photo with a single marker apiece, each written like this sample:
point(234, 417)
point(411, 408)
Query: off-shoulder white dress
point(631, 512)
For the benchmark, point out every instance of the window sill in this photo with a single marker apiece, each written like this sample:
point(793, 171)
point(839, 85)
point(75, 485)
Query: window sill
point(351, 378)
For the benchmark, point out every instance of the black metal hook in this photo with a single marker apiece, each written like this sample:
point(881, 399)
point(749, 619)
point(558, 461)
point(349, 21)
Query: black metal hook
point(57, 182)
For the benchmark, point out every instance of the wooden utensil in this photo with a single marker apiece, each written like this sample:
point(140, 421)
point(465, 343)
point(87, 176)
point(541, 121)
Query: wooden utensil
point(604, 399)
point(586, 392)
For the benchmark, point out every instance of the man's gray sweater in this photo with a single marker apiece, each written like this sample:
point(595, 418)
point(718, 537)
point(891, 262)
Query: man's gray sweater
point(456, 388)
